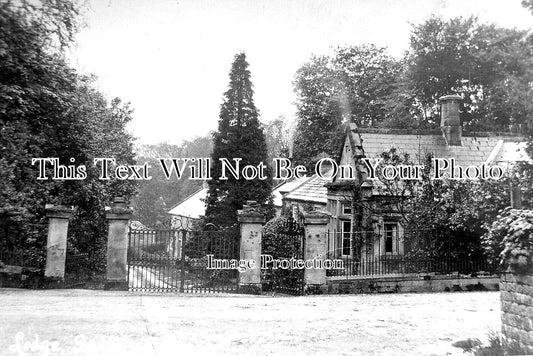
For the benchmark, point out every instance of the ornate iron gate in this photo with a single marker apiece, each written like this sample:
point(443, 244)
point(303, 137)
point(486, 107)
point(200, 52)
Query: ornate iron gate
point(180, 260)
point(289, 243)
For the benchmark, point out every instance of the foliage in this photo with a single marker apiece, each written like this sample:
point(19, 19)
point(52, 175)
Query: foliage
point(442, 218)
point(448, 218)
point(319, 112)
point(399, 190)
point(498, 346)
point(355, 84)
point(366, 77)
point(509, 240)
point(281, 239)
point(277, 136)
point(239, 136)
point(158, 195)
point(48, 110)
point(489, 66)
point(274, 241)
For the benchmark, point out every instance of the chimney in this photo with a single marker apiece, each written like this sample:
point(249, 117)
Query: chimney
point(450, 123)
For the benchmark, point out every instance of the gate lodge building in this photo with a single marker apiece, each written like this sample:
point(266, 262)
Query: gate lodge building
point(379, 226)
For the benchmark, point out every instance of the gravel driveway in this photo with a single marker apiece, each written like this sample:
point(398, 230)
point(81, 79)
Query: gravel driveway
point(81, 322)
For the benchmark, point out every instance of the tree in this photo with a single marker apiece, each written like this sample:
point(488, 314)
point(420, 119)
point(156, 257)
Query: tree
point(239, 136)
point(277, 136)
point(354, 85)
point(158, 195)
point(367, 76)
point(457, 213)
point(508, 241)
point(48, 110)
point(319, 112)
point(486, 64)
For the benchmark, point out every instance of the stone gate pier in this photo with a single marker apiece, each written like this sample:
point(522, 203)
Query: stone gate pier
point(118, 218)
point(251, 220)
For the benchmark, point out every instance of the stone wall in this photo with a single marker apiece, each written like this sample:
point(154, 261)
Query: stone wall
point(410, 284)
point(21, 277)
point(517, 309)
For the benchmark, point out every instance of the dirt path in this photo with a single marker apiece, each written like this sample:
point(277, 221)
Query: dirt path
point(78, 322)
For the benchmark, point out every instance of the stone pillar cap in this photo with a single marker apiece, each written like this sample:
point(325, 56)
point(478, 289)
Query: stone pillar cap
point(316, 217)
point(58, 211)
point(450, 97)
point(251, 212)
point(119, 209)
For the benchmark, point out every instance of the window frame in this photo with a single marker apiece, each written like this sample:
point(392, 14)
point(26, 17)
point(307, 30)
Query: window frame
point(346, 236)
point(344, 207)
point(393, 237)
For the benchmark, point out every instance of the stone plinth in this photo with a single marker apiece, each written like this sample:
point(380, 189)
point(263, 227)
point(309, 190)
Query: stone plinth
point(118, 218)
point(56, 244)
point(251, 220)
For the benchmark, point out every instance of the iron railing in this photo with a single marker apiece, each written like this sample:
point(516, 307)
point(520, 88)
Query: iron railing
point(177, 260)
point(401, 265)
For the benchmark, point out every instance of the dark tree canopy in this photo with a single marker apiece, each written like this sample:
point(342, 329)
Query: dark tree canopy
point(48, 110)
point(239, 135)
point(489, 66)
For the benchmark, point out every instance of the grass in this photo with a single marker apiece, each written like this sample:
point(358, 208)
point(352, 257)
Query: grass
point(498, 346)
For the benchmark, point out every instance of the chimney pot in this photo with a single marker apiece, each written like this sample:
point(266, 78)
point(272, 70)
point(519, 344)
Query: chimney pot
point(450, 123)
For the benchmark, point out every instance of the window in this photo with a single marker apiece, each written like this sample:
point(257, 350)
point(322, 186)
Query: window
point(346, 237)
point(346, 209)
point(391, 233)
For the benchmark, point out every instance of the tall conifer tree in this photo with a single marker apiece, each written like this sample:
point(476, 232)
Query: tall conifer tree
point(239, 136)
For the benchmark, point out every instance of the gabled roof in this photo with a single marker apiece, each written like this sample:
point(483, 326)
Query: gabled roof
point(285, 187)
point(191, 207)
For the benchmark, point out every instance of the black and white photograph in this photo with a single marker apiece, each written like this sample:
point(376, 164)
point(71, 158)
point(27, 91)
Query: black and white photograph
point(266, 177)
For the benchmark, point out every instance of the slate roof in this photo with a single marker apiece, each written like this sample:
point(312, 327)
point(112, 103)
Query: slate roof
point(312, 191)
point(285, 187)
point(473, 150)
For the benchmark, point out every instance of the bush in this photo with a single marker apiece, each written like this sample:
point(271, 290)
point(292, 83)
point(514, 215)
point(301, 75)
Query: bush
point(281, 239)
point(509, 241)
point(276, 239)
point(498, 346)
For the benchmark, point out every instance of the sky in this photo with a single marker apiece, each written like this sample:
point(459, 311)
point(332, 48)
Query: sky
point(171, 58)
